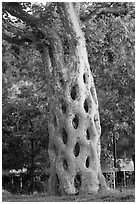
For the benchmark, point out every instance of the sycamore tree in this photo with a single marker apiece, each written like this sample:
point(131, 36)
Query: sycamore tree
point(55, 32)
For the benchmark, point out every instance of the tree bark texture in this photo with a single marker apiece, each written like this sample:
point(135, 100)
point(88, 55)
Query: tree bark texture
point(74, 143)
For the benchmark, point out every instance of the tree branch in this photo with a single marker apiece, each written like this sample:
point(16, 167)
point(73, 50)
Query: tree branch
point(98, 11)
point(44, 31)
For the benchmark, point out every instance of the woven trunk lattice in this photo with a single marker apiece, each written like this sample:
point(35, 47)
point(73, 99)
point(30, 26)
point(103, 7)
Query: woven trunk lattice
point(74, 146)
point(74, 139)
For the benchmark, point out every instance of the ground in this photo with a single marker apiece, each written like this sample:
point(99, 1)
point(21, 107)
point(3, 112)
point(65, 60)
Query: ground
point(120, 195)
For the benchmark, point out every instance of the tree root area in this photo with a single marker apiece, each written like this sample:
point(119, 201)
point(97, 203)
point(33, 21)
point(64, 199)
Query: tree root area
point(124, 195)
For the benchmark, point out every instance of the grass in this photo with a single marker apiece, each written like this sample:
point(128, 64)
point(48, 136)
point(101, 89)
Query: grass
point(125, 195)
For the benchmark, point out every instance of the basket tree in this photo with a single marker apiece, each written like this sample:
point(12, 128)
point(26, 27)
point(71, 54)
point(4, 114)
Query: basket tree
point(74, 147)
point(74, 125)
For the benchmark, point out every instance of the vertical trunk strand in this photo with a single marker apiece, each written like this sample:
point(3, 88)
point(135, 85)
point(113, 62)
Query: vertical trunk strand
point(74, 147)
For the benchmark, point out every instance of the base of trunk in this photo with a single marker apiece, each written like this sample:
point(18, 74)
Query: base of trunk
point(81, 183)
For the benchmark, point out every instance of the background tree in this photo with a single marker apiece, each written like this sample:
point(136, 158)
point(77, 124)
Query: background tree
point(22, 97)
point(110, 41)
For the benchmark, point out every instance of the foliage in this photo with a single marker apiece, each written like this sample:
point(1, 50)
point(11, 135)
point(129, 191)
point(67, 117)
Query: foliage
point(110, 43)
point(21, 80)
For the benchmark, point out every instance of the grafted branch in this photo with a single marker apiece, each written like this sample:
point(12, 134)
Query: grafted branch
point(107, 10)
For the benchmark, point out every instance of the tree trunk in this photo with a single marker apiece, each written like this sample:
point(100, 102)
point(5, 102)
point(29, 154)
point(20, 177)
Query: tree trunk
point(74, 143)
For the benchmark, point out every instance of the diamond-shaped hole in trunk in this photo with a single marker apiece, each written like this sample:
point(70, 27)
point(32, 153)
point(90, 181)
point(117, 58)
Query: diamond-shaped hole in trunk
point(75, 122)
point(64, 136)
point(74, 92)
point(86, 105)
point(87, 162)
point(87, 134)
point(65, 164)
point(77, 149)
point(85, 78)
point(63, 106)
point(77, 182)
